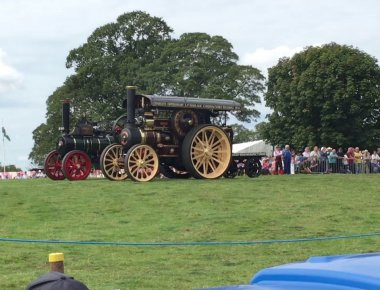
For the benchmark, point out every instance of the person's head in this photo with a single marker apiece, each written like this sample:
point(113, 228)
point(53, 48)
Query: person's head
point(323, 149)
point(374, 151)
point(278, 147)
point(307, 149)
point(333, 151)
point(357, 149)
point(287, 147)
point(56, 281)
point(316, 149)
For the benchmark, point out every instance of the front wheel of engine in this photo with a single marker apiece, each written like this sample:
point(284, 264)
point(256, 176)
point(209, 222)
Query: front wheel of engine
point(76, 165)
point(112, 162)
point(53, 166)
point(141, 163)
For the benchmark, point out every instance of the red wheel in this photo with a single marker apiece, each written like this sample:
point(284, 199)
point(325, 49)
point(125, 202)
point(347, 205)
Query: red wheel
point(76, 165)
point(53, 166)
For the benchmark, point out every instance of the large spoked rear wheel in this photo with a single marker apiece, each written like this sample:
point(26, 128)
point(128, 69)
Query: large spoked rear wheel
point(76, 165)
point(53, 166)
point(206, 152)
point(112, 162)
point(141, 163)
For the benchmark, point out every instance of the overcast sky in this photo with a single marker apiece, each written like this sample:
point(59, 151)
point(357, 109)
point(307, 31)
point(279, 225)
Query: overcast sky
point(36, 36)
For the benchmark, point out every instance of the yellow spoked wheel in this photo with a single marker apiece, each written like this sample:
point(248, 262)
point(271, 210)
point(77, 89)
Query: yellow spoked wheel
point(141, 163)
point(112, 162)
point(206, 152)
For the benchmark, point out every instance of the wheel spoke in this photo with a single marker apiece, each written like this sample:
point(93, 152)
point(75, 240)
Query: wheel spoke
point(197, 139)
point(197, 149)
point(198, 155)
point(205, 163)
point(217, 160)
point(199, 162)
point(212, 136)
point(204, 134)
point(216, 143)
point(211, 165)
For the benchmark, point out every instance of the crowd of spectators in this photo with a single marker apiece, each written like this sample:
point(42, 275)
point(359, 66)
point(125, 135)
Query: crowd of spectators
point(322, 160)
point(22, 174)
point(33, 174)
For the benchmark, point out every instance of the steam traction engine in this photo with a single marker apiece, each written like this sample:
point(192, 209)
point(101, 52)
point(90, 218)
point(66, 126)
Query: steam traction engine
point(77, 151)
point(172, 134)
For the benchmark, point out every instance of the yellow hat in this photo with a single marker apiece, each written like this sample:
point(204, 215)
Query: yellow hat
point(56, 257)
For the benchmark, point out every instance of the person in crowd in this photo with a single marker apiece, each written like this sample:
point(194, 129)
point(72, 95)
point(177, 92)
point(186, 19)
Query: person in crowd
point(315, 153)
point(339, 162)
point(358, 160)
point(314, 164)
point(305, 166)
point(240, 167)
point(345, 164)
point(366, 161)
point(287, 157)
point(350, 159)
point(306, 153)
point(375, 159)
point(297, 162)
point(332, 160)
point(265, 167)
point(323, 154)
point(277, 154)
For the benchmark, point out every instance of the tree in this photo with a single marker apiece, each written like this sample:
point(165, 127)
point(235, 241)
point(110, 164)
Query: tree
point(9, 168)
point(138, 50)
point(328, 95)
point(204, 66)
point(243, 134)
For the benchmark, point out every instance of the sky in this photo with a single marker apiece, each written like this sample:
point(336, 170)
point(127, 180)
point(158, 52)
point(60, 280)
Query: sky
point(36, 37)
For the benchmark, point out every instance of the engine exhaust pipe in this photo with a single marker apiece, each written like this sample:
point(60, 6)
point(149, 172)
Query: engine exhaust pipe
point(131, 95)
point(66, 116)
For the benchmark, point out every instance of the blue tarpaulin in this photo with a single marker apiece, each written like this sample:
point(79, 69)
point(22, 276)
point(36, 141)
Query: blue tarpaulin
point(344, 272)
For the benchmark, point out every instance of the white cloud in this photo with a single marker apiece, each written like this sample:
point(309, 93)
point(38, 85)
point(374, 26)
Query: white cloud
point(10, 78)
point(263, 58)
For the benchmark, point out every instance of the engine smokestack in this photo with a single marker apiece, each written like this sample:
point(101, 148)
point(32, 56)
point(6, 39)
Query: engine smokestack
point(131, 95)
point(66, 116)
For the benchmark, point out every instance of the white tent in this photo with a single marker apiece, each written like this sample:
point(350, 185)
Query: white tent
point(258, 146)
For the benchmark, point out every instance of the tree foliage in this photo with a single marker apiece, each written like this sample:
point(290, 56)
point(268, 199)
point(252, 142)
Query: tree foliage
point(9, 168)
point(328, 95)
point(138, 49)
point(243, 134)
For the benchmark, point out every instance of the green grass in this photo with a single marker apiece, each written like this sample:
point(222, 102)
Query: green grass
point(242, 209)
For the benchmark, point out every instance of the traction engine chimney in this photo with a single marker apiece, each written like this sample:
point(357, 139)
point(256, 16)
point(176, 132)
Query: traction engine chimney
point(131, 95)
point(66, 116)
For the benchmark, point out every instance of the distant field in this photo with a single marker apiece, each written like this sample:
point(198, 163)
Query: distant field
point(242, 209)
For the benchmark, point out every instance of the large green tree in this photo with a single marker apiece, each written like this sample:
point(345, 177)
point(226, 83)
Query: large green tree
point(243, 134)
point(138, 50)
point(327, 95)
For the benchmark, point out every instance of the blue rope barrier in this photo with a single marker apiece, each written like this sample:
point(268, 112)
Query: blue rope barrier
point(190, 243)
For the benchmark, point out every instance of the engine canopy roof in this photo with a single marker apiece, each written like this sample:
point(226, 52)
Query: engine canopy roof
point(190, 103)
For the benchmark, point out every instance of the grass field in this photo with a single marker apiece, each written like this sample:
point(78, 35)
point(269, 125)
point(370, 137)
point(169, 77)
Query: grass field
point(242, 209)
